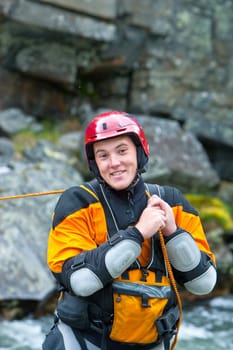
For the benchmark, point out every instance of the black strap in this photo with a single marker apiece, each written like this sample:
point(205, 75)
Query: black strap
point(156, 189)
point(95, 186)
point(166, 325)
point(80, 339)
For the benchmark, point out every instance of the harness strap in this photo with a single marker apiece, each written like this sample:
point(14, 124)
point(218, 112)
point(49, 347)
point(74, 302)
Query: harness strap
point(166, 325)
point(110, 218)
point(78, 335)
point(80, 339)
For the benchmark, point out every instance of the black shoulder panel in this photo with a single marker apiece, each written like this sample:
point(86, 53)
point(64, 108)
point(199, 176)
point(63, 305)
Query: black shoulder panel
point(175, 198)
point(172, 196)
point(73, 199)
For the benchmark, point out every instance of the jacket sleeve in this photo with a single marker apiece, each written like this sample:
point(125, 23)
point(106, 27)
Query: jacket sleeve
point(90, 271)
point(79, 254)
point(188, 250)
point(76, 219)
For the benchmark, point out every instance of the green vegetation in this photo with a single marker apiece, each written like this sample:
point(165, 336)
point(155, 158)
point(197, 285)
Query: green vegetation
point(50, 131)
point(213, 211)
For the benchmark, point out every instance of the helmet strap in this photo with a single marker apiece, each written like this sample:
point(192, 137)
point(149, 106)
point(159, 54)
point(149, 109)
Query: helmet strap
point(142, 160)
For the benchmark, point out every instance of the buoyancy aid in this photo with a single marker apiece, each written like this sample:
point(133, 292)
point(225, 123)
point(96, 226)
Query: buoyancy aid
point(101, 303)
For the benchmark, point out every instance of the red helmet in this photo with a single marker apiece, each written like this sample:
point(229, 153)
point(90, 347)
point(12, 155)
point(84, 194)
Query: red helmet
point(111, 124)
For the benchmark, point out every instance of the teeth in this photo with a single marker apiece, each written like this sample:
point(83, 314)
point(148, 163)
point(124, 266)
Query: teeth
point(118, 173)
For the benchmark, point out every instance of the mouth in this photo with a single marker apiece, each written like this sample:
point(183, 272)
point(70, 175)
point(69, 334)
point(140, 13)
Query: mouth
point(117, 173)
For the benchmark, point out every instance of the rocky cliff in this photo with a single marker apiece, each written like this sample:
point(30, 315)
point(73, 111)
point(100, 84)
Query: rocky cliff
point(163, 58)
point(167, 62)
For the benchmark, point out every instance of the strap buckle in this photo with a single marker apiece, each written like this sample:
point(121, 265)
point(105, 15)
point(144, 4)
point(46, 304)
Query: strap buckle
point(166, 324)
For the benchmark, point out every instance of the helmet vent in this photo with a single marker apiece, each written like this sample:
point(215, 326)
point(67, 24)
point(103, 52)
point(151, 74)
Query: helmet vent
point(104, 126)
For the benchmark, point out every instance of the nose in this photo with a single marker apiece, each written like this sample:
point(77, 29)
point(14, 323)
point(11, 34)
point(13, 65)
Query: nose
point(114, 160)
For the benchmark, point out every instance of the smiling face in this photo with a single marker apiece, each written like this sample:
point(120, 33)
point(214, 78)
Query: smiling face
point(116, 160)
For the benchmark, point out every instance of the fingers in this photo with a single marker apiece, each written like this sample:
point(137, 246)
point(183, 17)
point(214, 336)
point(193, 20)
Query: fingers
point(163, 223)
point(153, 200)
point(160, 217)
point(165, 216)
point(162, 209)
point(156, 201)
point(151, 219)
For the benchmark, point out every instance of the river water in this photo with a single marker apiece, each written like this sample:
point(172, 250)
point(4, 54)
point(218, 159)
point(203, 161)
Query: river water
point(206, 326)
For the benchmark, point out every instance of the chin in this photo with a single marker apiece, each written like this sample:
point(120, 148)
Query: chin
point(119, 187)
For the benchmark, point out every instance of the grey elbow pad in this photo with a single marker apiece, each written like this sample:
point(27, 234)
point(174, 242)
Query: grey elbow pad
point(185, 256)
point(85, 282)
point(183, 252)
point(204, 283)
point(121, 256)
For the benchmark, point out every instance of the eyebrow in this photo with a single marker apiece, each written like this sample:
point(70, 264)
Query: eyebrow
point(104, 150)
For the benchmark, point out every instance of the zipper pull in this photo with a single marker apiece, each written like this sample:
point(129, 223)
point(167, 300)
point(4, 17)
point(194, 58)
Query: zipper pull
point(145, 273)
point(118, 298)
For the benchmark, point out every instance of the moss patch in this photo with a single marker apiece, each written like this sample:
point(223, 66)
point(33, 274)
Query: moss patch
point(50, 131)
point(212, 210)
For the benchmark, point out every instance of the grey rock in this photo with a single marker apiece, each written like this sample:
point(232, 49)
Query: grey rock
point(56, 19)
point(93, 8)
point(176, 156)
point(217, 132)
point(14, 120)
point(25, 224)
point(71, 142)
point(6, 150)
point(51, 62)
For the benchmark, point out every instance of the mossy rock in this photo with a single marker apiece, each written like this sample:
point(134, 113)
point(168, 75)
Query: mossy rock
point(213, 211)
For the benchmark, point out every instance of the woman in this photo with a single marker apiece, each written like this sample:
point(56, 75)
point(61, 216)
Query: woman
point(105, 251)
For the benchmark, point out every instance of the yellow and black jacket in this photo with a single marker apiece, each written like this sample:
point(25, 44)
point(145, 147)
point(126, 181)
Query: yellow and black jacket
point(84, 226)
point(79, 221)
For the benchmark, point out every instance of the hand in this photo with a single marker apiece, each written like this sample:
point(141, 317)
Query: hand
point(170, 224)
point(151, 219)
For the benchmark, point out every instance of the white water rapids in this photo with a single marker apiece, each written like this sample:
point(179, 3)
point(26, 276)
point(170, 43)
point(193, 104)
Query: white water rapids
point(207, 325)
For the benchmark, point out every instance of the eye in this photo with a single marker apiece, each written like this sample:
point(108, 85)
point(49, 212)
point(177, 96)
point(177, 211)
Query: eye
point(123, 150)
point(102, 155)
